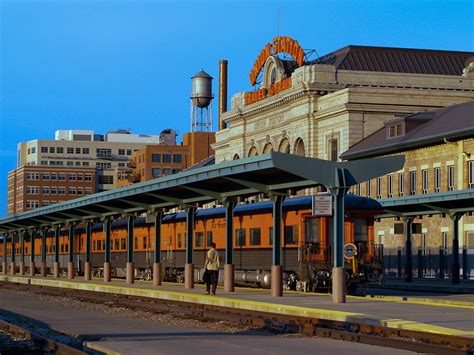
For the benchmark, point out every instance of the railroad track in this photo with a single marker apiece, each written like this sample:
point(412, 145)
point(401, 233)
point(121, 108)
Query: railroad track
point(35, 343)
point(348, 331)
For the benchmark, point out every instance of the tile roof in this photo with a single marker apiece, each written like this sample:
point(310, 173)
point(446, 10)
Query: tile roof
point(426, 128)
point(396, 60)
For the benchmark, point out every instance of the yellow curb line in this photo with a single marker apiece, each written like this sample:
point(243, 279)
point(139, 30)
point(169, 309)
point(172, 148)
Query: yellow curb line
point(95, 346)
point(332, 315)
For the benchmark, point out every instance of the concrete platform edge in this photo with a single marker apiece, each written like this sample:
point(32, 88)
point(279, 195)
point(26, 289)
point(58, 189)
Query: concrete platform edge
point(275, 308)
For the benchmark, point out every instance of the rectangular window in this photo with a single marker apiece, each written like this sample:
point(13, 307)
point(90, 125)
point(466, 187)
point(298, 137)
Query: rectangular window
point(121, 152)
point(166, 158)
point(180, 240)
point(240, 237)
point(45, 177)
point(129, 152)
point(72, 191)
point(116, 244)
point(106, 179)
point(445, 240)
point(199, 239)
point(412, 182)
point(333, 150)
point(390, 185)
point(358, 189)
point(72, 177)
point(87, 177)
point(85, 150)
point(450, 177)
point(78, 150)
point(156, 158)
point(270, 236)
point(167, 171)
point(70, 150)
point(437, 179)
point(208, 238)
point(145, 244)
point(45, 190)
point(85, 163)
point(291, 234)
point(424, 181)
point(401, 184)
point(61, 177)
point(255, 236)
point(369, 188)
point(177, 158)
point(61, 190)
point(155, 172)
point(471, 174)
point(60, 150)
point(44, 149)
point(379, 187)
point(52, 150)
point(53, 190)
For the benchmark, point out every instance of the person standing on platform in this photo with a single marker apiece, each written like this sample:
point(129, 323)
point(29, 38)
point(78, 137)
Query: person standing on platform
point(211, 274)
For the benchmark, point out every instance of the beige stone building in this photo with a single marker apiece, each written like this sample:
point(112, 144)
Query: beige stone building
point(322, 107)
point(439, 156)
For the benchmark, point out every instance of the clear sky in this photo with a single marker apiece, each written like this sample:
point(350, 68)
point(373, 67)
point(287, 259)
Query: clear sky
point(104, 65)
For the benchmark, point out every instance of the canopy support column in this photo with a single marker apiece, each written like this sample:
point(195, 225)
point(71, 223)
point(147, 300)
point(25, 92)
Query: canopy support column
point(229, 275)
point(43, 252)
point(22, 253)
point(107, 224)
point(56, 265)
point(4, 262)
point(88, 262)
point(157, 277)
point(456, 265)
point(408, 222)
point(12, 265)
point(130, 267)
point(70, 264)
point(276, 274)
point(32, 254)
point(189, 267)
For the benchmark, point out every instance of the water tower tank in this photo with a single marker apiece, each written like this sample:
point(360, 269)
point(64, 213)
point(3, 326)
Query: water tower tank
point(202, 89)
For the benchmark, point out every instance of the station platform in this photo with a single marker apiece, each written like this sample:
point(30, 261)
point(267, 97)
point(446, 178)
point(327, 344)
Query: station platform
point(442, 286)
point(431, 315)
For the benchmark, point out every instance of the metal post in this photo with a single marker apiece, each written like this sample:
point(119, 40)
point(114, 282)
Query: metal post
point(56, 265)
point(107, 232)
point(130, 268)
point(408, 221)
point(420, 264)
point(87, 263)
point(32, 254)
point(456, 265)
point(338, 271)
point(189, 267)
point(464, 263)
point(22, 251)
point(12, 266)
point(70, 265)
point(43, 252)
point(157, 253)
point(229, 280)
point(276, 283)
point(4, 262)
point(399, 261)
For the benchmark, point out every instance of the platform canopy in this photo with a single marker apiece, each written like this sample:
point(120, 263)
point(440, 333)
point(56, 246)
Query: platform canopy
point(270, 174)
point(449, 203)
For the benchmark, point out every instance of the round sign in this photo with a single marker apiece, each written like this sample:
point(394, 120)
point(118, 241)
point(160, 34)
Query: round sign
point(350, 250)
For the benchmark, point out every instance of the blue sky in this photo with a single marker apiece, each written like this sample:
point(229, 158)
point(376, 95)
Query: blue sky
point(104, 65)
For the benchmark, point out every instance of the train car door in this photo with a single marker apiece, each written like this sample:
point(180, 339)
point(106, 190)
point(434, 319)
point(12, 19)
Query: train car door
point(311, 246)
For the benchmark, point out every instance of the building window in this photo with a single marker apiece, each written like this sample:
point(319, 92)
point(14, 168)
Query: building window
point(155, 172)
point(368, 188)
point(379, 187)
point(450, 177)
point(60, 150)
point(78, 150)
point(70, 150)
point(395, 130)
point(129, 152)
point(53, 190)
point(240, 237)
point(87, 177)
point(72, 177)
point(44, 149)
point(199, 239)
point(437, 179)
point(85, 150)
point(412, 182)
point(45, 190)
point(358, 189)
point(209, 238)
point(106, 179)
point(424, 181)
point(45, 176)
point(85, 163)
point(72, 191)
point(291, 234)
point(121, 152)
point(255, 236)
point(180, 240)
point(445, 240)
point(52, 150)
point(177, 158)
point(156, 158)
point(61, 190)
point(471, 174)
point(61, 177)
point(166, 158)
point(167, 171)
point(333, 151)
point(390, 185)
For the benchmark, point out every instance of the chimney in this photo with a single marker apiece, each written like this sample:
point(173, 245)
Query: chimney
point(222, 92)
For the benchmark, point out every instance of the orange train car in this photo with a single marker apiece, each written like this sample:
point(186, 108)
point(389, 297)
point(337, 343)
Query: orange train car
point(306, 242)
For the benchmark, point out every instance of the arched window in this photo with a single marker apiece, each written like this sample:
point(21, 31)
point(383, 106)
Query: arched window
point(236, 157)
point(299, 147)
point(284, 146)
point(253, 152)
point(268, 148)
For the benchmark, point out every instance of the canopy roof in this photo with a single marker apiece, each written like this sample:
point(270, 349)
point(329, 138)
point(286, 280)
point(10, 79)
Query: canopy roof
point(271, 174)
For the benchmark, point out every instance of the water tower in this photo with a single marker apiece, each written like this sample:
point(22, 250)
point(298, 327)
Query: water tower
point(201, 103)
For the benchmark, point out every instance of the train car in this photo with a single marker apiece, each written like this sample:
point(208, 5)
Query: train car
point(306, 242)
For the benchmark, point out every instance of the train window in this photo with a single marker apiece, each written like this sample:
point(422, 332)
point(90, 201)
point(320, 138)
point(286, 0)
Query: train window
point(123, 244)
point(180, 241)
point(144, 243)
point(135, 243)
point(291, 234)
point(313, 231)
point(66, 247)
point(116, 244)
point(360, 230)
point(270, 236)
point(102, 242)
point(255, 236)
point(94, 245)
point(62, 248)
point(240, 237)
point(199, 239)
point(209, 238)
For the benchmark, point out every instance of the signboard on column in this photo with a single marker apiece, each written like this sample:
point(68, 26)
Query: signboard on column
point(322, 205)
